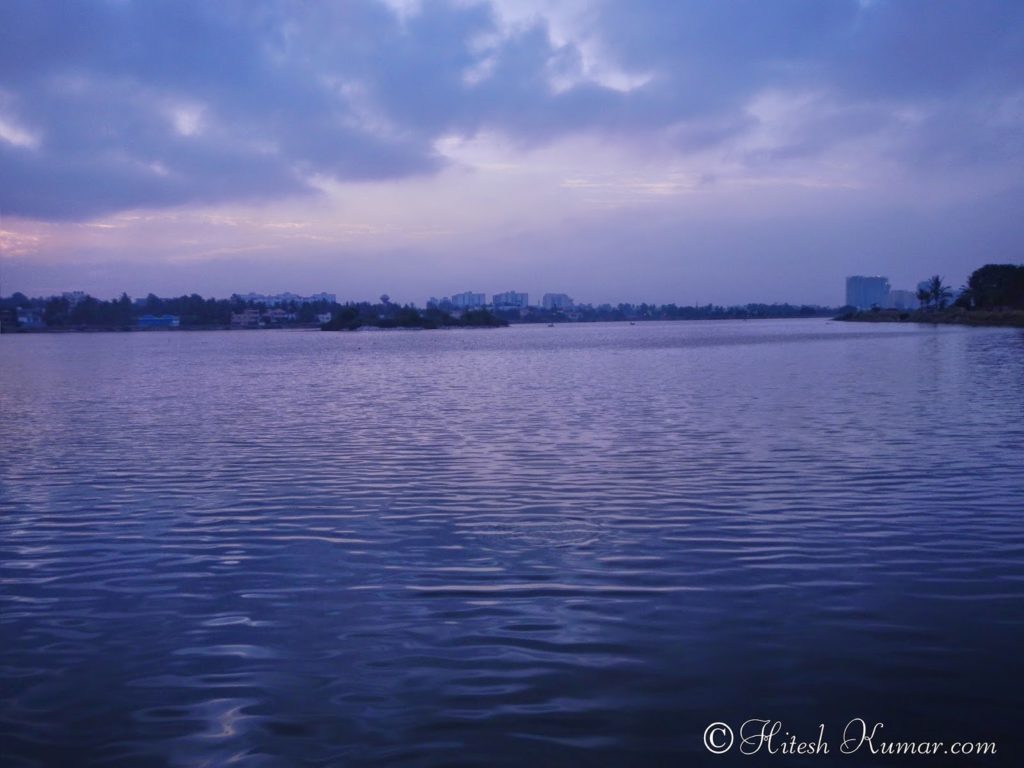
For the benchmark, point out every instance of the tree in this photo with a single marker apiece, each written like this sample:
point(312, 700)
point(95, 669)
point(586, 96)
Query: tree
point(124, 311)
point(940, 294)
point(924, 296)
point(56, 311)
point(345, 319)
point(965, 299)
point(997, 285)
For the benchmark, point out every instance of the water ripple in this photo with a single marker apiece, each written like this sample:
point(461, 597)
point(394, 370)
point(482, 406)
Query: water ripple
point(566, 545)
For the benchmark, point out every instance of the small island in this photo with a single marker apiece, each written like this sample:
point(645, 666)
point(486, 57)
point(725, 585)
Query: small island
point(352, 317)
point(992, 296)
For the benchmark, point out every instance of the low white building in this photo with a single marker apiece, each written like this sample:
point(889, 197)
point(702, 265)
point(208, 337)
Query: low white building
point(29, 318)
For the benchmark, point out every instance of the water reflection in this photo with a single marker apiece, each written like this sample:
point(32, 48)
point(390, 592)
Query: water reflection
point(557, 545)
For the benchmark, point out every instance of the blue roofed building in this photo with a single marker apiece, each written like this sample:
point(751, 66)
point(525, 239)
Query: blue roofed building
point(159, 321)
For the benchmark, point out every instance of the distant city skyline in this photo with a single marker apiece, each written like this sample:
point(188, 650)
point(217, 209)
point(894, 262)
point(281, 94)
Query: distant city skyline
point(657, 152)
point(860, 291)
point(458, 300)
point(772, 294)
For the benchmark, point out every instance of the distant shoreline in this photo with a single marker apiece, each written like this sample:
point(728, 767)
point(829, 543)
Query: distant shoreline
point(373, 329)
point(989, 318)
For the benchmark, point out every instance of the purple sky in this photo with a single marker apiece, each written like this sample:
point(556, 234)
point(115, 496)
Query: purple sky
point(638, 151)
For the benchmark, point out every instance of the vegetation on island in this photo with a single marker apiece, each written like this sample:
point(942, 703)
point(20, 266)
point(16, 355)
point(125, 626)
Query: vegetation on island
point(86, 313)
point(605, 313)
point(935, 295)
point(992, 295)
point(194, 311)
point(351, 317)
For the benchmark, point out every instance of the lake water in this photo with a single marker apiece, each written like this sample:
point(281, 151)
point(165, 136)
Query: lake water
point(573, 546)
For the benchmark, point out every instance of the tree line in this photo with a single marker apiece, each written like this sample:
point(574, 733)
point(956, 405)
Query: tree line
point(644, 311)
point(353, 316)
point(993, 286)
point(193, 310)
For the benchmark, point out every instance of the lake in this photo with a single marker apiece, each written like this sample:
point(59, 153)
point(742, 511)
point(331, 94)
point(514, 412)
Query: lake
point(577, 545)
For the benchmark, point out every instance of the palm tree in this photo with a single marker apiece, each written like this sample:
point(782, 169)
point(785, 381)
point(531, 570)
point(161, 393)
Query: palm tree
point(965, 298)
point(940, 294)
point(924, 296)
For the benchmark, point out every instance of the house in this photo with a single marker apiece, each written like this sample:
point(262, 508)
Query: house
point(248, 318)
point(278, 316)
point(29, 318)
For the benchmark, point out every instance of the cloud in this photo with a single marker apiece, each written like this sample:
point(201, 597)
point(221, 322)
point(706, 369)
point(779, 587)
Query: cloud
point(107, 106)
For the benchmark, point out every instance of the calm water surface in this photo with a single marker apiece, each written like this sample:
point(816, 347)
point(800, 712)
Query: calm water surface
point(543, 546)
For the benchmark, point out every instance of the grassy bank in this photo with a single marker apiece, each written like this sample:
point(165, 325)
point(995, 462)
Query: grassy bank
point(953, 316)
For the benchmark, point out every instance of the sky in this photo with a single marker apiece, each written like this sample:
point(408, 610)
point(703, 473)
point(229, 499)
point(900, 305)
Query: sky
point(642, 150)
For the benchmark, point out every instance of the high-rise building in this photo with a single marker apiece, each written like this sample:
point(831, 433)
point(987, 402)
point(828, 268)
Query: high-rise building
point(468, 300)
point(74, 298)
point(510, 300)
point(284, 298)
point(900, 299)
point(865, 292)
point(556, 301)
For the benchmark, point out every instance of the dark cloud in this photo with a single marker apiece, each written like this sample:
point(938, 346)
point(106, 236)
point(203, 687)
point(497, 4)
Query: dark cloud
point(153, 104)
point(120, 104)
